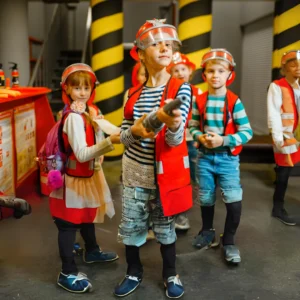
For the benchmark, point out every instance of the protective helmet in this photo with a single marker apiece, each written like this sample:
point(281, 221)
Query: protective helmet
point(151, 32)
point(290, 55)
point(179, 58)
point(221, 54)
point(76, 68)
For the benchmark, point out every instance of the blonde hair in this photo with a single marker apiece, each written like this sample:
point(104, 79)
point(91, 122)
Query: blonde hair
point(216, 61)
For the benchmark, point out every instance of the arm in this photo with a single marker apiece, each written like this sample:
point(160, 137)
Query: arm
point(244, 131)
point(194, 123)
point(74, 128)
point(274, 103)
point(174, 138)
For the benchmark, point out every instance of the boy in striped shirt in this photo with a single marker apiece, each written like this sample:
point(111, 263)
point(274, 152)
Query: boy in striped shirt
point(220, 125)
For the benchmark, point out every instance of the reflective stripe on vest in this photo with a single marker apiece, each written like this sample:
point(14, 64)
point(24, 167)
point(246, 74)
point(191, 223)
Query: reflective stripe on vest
point(289, 119)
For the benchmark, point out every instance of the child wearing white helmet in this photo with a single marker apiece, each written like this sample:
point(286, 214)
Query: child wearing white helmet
point(283, 121)
point(220, 125)
point(84, 198)
point(155, 166)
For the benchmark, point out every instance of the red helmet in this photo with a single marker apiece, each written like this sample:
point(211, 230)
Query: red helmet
point(76, 68)
point(151, 32)
point(290, 55)
point(220, 54)
point(179, 58)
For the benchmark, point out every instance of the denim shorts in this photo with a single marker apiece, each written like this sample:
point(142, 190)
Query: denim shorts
point(218, 168)
point(138, 206)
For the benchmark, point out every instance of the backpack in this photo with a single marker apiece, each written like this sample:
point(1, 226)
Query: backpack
point(52, 156)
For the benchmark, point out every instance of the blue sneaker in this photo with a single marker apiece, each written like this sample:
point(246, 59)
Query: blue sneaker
point(174, 288)
point(74, 283)
point(205, 238)
point(127, 285)
point(99, 256)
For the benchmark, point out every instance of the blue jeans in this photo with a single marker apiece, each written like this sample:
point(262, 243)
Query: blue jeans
point(138, 205)
point(221, 169)
point(192, 159)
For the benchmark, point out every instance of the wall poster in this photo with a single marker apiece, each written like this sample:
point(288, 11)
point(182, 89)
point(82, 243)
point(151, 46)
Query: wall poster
point(25, 133)
point(7, 168)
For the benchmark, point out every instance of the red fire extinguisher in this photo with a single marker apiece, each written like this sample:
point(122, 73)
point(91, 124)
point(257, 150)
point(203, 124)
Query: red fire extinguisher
point(14, 75)
point(2, 78)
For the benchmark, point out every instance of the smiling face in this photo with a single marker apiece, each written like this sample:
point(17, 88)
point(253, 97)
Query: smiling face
point(217, 73)
point(157, 55)
point(79, 86)
point(181, 71)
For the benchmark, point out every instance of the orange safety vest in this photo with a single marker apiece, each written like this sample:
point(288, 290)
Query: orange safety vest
point(172, 163)
point(229, 125)
point(289, 154)
point(73, 167)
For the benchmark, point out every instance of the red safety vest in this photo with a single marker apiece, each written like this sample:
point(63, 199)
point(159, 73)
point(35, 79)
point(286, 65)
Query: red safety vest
point(73, 167)
point(172, 167)
point(230, 127)
point(289, 155)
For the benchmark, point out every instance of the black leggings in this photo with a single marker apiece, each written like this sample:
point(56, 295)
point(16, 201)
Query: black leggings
point(135, 268)
point(232, 222)
point(66, 240)
point(282, 178)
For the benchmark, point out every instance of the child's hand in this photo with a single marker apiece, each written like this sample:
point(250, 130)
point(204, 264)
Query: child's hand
point(99, 117)
point(213, 140)
point(173, 122)
point(115, 138)
point(138, 129)
point(202, 139)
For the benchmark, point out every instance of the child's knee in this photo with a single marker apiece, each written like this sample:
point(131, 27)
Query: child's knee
point(207, 197)
point(232, 195)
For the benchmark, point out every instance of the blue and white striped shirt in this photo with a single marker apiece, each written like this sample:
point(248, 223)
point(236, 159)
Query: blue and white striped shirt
point(139, 156)
point(213, 121)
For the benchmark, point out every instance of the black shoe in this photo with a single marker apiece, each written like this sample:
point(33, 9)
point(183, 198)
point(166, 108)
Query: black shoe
point(283, 216)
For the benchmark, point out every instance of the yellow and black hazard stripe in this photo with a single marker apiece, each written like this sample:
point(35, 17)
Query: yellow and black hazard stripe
point(286, 31)
point(107, 61)
point(195, 24)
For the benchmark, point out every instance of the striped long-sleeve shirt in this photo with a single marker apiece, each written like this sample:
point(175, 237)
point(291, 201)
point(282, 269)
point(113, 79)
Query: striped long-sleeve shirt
point(213, 121)
point(139, 156)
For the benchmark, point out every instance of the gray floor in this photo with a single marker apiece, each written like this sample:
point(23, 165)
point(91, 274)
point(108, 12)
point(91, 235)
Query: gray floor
point(29, 261)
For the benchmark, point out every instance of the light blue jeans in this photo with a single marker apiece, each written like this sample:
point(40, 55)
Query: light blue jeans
point(215, 169)
point(138, 205)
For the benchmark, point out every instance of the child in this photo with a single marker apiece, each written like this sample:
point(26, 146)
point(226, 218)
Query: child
point(138, 76)
point(182, 68)
point(85, 197)
point(283, 116)
point(168, 192)
point(220, 125)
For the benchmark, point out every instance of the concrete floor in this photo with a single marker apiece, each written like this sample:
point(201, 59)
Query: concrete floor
point(270, 268)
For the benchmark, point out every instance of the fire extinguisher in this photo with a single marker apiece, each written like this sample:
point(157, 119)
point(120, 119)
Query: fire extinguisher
point(14, 75)
point(2, 78)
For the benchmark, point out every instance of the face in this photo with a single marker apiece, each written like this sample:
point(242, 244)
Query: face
point(80, 93)
point(292, 68)
point(217, 74)
point(141, 75)
point(157, 55)
point(181, 71)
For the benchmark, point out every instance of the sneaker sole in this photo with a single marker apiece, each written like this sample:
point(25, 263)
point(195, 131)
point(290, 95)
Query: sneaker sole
point(286, 223)
point(174, 297)
point(233, 260)
point(179, 227)
point(97, 261)
point(88, 289)
point(128, 292)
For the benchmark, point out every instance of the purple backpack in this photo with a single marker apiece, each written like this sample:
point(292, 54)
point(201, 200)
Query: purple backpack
point(53, 155)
